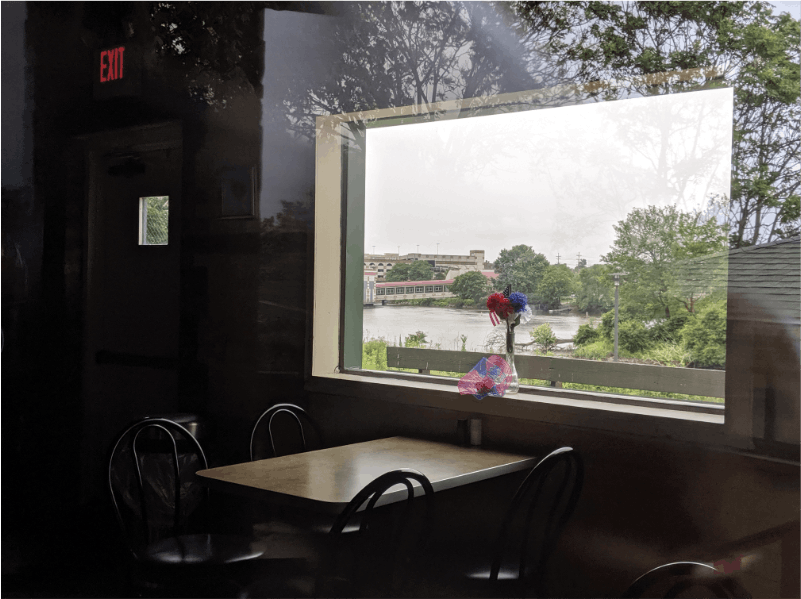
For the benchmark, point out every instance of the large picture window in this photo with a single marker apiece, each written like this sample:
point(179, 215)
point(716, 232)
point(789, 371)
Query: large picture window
point(567, 197)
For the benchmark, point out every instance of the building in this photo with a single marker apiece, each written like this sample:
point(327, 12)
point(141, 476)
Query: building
point(444, 263)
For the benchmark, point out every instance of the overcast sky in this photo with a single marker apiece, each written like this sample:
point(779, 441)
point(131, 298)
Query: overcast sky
point(556, 179)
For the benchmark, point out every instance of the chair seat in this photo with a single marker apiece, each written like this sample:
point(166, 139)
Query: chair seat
point(302, 524)
point(202, 549)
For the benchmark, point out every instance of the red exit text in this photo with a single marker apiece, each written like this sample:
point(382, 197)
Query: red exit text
point(111, 64)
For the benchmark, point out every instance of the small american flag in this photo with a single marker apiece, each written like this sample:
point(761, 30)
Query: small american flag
point(507, 291)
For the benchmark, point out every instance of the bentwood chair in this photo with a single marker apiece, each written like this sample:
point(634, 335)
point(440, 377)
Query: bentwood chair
point(161, 511)
point(287, 429)
point(685, 579)
point(375, 560)
point(540, 508)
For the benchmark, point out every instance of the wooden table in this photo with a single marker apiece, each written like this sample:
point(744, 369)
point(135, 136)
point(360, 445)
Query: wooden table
point(326, 480)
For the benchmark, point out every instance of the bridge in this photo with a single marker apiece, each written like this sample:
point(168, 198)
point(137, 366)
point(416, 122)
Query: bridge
point(406, 290)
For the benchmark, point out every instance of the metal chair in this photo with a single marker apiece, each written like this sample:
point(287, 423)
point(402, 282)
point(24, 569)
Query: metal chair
point(539, 510)
point(157, 505)
point(371, 561)
point(679, 578)
point(294, 415)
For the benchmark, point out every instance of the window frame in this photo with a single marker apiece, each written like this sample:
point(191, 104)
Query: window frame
point(629, 414)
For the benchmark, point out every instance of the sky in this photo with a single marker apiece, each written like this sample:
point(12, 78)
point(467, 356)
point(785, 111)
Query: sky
point(793, 7)
point(555, 179)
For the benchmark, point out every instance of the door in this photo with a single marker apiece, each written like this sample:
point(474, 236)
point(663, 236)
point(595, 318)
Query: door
point(133, 287)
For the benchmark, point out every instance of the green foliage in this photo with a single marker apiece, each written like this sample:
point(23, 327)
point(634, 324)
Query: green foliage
point(463, 339)
point(586, 334)
point(597, 350)
point(420, 271)
point(417, 339)
point(472, 286)
point(632, 336)
point(741, 44)
point(650, 245)
point(670, 353)
point(595, 289)
point(374, 354)
point(557, 281)
point(544, 337)
point(398, 273)
point(705, 335)
point(158, 209)
point(669, 330)
point(522, 268)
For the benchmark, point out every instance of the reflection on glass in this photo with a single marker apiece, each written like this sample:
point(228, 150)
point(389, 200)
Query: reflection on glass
point(154, 219)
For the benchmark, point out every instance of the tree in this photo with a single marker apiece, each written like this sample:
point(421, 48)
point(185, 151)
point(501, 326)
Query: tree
point(741, 44)
point(651, 245)
point(544, 337)
point(398, 273)
point(420, 271)
point(522, 268)
point(595, 289)
point(471, 285)
point(556, 282)
point(582, 263)
point(705, 334)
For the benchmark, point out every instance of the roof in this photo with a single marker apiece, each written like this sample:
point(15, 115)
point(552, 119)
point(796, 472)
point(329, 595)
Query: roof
point(487, 273)
point(765, 282)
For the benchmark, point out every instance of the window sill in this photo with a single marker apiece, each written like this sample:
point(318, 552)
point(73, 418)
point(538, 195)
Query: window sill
point(564, 407)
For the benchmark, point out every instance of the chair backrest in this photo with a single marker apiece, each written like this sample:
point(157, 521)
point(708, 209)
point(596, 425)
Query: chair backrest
point(151, 480)
point(672, 580)
point(385, 540)
point(290, 416)
point(539, 510)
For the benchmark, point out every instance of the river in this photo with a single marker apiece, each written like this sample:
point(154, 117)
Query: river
point(444, 326)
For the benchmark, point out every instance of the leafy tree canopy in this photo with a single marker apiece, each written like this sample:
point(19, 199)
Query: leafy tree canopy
point(595, 289)
point(557, 281)
point(398, 273)
point(522, 268)
point(471, 285)
point(652, 246)
point(420, 271)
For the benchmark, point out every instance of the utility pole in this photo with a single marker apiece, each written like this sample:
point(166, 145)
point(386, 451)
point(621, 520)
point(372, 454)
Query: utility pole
point(438, 249)
point(418, 250)
point(557, 257)
point(373, 250)
point(617, 276)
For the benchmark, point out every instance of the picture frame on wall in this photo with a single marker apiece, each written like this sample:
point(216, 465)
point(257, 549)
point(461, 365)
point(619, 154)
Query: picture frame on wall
point(238, 192)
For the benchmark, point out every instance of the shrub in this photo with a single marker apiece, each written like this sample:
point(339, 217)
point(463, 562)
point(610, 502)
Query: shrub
point(705, 335)
point(632, 336)
point(597, 350)
point(544, 337)
point(374, 354)
point(670, 353)
point(586, 334)
point(417, 339)
point(669, 330)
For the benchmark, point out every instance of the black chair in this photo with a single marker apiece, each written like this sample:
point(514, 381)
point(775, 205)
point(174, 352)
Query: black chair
point(685, 579)
point(540, 508)
point(295, 420)
point(160, 510)
point(373, 561)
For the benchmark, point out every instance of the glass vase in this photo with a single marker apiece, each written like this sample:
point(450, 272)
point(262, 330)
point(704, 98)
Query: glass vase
point(514, 385)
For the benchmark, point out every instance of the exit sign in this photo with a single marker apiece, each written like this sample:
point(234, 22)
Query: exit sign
point(117, 72)
point(112, 64)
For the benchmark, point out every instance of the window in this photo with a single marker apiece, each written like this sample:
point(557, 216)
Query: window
point(154, 216)
point(342, 140)
point(574, 223)
point(437, 288)
point(389, 290)
point(379, 291)
point(429, 288)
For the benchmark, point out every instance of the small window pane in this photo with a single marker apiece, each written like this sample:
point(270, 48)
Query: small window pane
point(154, 218)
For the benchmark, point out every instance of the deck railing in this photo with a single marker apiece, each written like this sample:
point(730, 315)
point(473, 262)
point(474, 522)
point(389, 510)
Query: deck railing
point(661, 379)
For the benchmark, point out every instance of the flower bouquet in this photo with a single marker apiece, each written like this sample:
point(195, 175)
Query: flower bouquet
point(511, 308)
